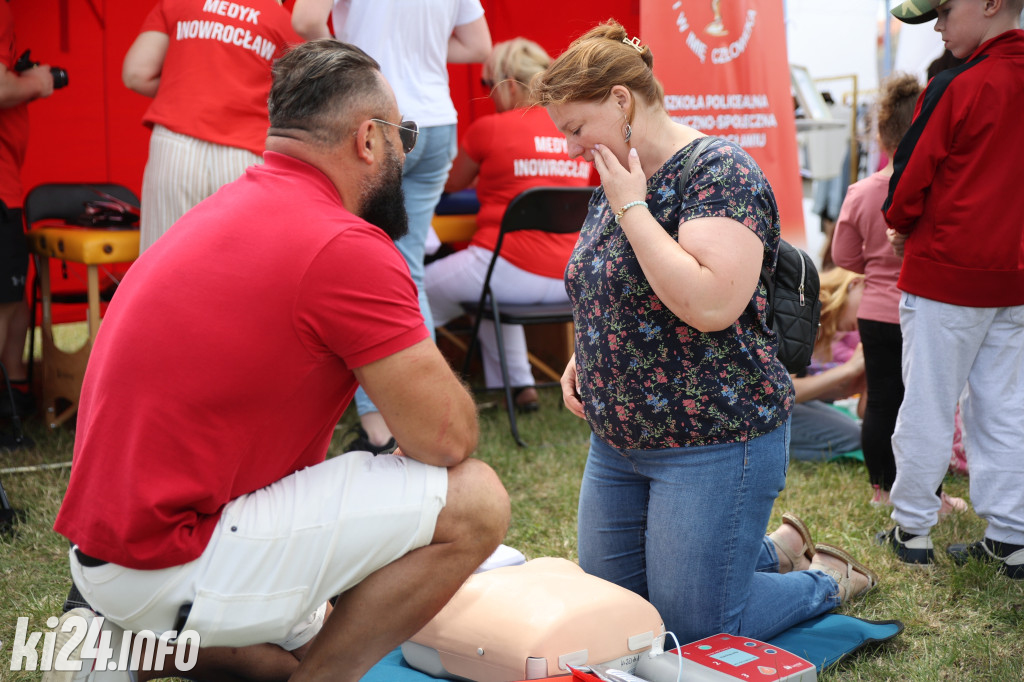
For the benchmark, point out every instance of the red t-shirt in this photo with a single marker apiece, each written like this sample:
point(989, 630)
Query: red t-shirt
point(13, 121)
point(225, 361)
point(517, 150)
point(216, 74)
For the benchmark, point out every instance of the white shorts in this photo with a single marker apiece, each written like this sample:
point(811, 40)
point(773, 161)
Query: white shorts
point(278, 554)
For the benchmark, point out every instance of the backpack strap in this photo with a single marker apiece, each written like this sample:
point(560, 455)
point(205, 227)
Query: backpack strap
point(683, 178)
point(684, 175)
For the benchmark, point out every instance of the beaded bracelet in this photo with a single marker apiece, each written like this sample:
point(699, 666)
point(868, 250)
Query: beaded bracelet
point(622, 211)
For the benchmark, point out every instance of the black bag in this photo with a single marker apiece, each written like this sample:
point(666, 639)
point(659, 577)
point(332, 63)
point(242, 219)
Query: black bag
point(793, 305)
point(794, 308)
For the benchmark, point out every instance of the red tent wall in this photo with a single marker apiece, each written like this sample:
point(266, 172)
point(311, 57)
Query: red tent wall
point(92, 130)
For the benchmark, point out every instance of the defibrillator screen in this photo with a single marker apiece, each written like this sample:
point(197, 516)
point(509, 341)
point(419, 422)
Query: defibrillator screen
point(733, 657)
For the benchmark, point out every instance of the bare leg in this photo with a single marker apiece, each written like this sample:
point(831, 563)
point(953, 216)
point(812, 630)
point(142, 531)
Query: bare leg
point(376, 429)
point(13, 325)
point(258, 663)
point(395, 602)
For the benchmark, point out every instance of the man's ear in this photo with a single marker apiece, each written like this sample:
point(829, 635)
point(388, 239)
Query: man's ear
point(367, 141)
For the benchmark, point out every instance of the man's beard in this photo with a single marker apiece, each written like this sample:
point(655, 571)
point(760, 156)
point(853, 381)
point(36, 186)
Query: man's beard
point(383, 202)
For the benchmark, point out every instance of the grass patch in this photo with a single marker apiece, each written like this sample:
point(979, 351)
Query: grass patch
point(962, 623)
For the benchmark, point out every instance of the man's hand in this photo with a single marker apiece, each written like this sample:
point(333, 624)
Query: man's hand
point(30, 84)
point(43, 78)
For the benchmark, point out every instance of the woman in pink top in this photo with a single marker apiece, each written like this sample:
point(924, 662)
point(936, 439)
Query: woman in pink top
point(860, 244)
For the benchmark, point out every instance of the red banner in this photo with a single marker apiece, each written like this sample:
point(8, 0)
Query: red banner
point(725, 72)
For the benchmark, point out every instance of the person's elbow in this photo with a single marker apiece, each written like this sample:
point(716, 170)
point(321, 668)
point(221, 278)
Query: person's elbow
point(714, 317)
point(478, 52)
point(138, 80)
point(308, 26)
point(455, 443)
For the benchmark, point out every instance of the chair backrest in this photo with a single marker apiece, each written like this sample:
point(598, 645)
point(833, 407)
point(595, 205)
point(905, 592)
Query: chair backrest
point(550, 209)
point(66, 200)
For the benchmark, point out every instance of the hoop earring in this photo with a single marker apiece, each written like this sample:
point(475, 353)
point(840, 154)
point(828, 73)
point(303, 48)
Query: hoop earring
point(629, 132)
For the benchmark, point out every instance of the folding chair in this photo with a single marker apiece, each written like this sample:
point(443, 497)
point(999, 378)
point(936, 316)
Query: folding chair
point(545, 209)
point(88, 249)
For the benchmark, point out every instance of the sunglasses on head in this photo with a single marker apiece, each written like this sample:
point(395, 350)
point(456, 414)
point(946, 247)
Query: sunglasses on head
point(407, 133)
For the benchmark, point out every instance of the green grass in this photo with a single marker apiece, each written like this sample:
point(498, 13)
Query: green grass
point(962, 623)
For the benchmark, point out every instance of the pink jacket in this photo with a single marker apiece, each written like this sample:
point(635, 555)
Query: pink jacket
point(860, 244)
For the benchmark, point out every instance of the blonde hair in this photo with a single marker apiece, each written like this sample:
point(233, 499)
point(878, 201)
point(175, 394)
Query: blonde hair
point(833, 294)
point(518, 59)
point(515, 61)
point(594, 63)
point(894, 108)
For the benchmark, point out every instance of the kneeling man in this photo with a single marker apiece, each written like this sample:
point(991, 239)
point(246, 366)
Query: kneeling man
point(200, 498)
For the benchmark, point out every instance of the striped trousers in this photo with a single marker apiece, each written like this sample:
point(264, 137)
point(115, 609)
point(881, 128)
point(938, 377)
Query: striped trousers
point(181, 172)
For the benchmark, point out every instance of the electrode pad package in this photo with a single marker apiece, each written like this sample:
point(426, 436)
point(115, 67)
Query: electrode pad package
point(532, 621)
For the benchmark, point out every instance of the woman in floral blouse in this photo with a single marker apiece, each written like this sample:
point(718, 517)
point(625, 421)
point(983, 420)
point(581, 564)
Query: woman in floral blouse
point(675, 367)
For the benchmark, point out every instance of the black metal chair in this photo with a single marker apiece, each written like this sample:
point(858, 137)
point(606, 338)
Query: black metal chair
point(546, 209)
point(65, 201)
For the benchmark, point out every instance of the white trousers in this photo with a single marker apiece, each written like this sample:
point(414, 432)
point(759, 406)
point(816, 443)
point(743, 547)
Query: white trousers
point(460, 277)
point(180, 172)
point(945, 349)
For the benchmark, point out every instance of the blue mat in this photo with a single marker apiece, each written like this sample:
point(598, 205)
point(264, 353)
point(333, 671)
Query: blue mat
point(824, 641)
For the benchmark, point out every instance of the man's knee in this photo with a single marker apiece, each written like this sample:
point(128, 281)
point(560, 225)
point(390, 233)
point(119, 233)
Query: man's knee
point(477, 504)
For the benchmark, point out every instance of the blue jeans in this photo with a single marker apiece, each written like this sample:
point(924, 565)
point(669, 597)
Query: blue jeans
point(423, 177)
point(684, 528)
point(821, 432)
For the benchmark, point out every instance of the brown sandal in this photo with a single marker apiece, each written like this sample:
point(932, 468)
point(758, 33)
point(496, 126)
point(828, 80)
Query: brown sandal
point(844, 581)
point(805, 535)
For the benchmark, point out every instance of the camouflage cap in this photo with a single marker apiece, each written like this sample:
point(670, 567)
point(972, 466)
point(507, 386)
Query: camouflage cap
point(917, 11)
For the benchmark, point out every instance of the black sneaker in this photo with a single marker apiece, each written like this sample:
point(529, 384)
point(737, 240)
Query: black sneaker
point(362, 442)
point(914, 550)
point(1010, 557)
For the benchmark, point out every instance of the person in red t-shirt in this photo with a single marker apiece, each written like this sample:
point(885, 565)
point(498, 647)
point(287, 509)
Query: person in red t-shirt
point(208, 507)
point(507, 153)
point(206, 64)
point(16, 91)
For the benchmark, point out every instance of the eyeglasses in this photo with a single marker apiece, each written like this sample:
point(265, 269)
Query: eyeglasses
point(408, 131)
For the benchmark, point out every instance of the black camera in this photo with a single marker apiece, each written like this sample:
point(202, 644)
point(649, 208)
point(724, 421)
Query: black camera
point(60, 76)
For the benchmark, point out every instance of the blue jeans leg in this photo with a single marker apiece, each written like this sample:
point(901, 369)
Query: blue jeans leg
point(423, 177)
point(684, 528)
point(821, 431)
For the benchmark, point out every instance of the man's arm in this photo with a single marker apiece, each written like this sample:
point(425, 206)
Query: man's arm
point(430, 413)
point(30, 84)
point(470, 43)
point(922, 150)
point(309, 18)
point(144, 62)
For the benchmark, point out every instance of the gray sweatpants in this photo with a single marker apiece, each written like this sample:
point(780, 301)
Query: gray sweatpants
point(945, 348)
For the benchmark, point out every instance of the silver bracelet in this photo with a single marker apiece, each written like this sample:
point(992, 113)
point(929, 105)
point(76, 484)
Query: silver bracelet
point(622, 211)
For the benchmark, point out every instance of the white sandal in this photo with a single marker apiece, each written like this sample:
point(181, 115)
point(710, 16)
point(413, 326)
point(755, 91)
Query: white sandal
point(845, 581)
point(806, 550)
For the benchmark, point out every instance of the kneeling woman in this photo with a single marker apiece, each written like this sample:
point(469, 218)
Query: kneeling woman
point(675, 367)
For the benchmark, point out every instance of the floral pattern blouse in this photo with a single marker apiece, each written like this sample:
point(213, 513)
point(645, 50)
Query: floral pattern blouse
point(647, 379)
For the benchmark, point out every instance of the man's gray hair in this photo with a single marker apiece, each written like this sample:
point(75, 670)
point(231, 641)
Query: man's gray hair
point(321, 86)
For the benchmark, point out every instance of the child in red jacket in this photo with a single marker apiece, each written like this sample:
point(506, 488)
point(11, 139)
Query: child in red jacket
point(954, 209)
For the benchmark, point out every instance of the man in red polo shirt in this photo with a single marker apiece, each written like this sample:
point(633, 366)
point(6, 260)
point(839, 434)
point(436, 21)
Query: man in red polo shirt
point(200, 498)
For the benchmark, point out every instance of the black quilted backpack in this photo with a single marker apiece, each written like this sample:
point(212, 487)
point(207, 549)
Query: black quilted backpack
point(794, 308)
